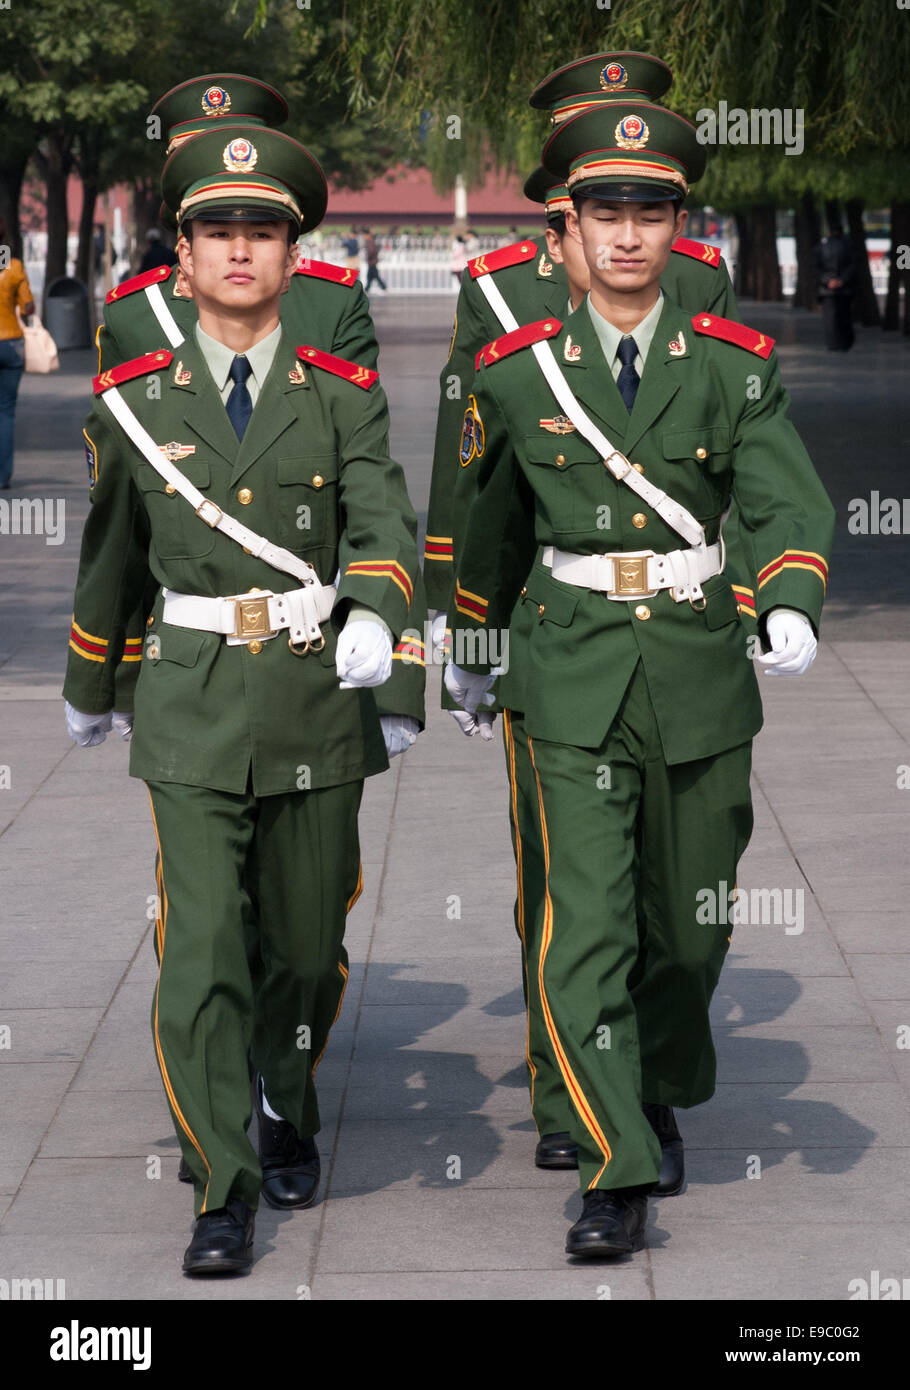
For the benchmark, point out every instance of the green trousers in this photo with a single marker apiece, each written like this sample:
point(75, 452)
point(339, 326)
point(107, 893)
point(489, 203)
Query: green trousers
point(231, 868)
point(612, 847)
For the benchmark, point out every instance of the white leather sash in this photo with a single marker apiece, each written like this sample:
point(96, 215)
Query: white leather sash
point(163, 314)
point(213, 516)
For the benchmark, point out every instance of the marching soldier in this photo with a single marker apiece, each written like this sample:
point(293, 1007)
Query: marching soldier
point(519, 284)
point(323, 304)
point(600, 544)
point(255, 719)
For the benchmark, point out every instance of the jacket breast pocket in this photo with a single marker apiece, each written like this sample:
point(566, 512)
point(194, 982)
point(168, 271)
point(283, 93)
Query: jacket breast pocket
point(308, 500)
point(569, 481)
point(177, 532)
point(703, 457)
point(554, 602)
point(720, 606)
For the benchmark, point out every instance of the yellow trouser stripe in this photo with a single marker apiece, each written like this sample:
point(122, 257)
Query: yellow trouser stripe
point(181, 1119)
point(519, 864)
point(577, 1095)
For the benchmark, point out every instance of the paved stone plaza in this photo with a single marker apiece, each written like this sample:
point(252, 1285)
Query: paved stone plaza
point(425, 1064)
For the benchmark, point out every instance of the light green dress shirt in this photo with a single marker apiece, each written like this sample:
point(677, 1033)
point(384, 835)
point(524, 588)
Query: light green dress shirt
point(610, 337)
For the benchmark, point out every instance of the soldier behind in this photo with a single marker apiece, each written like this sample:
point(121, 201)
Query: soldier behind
point(627, 655)
point(253, 754)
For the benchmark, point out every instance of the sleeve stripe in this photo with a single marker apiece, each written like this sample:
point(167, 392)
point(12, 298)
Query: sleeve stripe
point(89, 656)
point(88, 636)
point(384, 569)
point(795, 559)
point(466, 593)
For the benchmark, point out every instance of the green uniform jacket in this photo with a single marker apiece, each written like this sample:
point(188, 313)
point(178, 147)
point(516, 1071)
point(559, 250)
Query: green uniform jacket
point(573, 650)
point(533, 288)
point(325, 306)
point(207, 713)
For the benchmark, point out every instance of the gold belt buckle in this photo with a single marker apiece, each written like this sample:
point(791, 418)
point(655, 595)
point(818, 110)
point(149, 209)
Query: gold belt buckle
point(630, 576)
point(252, 617)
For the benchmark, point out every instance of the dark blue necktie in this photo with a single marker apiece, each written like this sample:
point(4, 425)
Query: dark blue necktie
point(239, 402)
point(628, 378)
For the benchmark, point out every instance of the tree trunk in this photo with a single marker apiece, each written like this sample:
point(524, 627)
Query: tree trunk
point(57, 163)
point(12, 174)
point(807, 227)
point(865, 303)
point(85, 255)
point(897, 275)
point(767, 266)
point(744, 280)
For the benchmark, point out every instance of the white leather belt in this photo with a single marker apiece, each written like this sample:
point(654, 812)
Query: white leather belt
point(260, 614)
point(636, 574)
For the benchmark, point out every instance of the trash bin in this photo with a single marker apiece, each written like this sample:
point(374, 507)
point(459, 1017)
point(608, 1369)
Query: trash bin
point(66, 315)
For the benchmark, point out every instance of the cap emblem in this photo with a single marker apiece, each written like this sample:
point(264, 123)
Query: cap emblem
point(613, 77)
point(240, 156)
point(215, 101)
point(631, 133)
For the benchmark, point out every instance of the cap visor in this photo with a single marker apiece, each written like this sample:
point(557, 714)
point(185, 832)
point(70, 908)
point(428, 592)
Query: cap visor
point(631, 192)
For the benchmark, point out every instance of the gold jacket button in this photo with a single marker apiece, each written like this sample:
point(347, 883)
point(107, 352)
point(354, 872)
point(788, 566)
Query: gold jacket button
point(149, 620)
point(318, 480)
point(153, 652)
point(639, 520)
point(560, 459)
point(244, 496)
point(701, 453)
point(643, 611)
point(541, 608)
point(170, 489)
point(254, 647)
point(638, 468)
point(524, 591)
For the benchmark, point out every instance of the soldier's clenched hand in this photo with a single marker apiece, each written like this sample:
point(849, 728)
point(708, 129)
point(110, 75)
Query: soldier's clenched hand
point(86, 729)
point(363, 655)
point(793, 644)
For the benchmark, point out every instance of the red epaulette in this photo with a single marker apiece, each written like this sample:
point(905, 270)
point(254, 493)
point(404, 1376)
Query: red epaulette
point(139, 282)
point(739, 334)
point(339, 366)
point(138, 366)
point(506, 255)
point(518, 338)
point(324, 270)
point(698, 250)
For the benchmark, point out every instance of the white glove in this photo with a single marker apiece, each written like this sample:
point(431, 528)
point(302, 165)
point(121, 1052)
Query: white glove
point(470, 724)
point(466, 688)
point(399, 732)
point(793, 644)
point(438, 637)
point(123, 725)
point(364, 654)
point(86, 729)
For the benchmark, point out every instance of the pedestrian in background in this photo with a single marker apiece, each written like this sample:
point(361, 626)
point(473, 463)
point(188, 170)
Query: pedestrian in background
point(15, 293)
point(156, 253)
point(459, 257)
point(835, 270)
point(371, 246)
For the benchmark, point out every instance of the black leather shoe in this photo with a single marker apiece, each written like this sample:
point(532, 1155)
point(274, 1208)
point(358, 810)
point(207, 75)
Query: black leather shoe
point(222, 1241)
point(290, 1165)
point(183, 1172)
point(556, 1151)
point(612, 1222)
point(672, 1161)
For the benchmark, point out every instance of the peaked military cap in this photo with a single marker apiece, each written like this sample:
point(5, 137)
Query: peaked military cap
point(630, 152)
point(541, 187)
point(189, 108)
point(236, 171)
point(599, 78)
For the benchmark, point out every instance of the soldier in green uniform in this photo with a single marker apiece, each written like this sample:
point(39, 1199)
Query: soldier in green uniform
point(541, 276)
point(255, 719)
point(598, 548)
point(324, 304)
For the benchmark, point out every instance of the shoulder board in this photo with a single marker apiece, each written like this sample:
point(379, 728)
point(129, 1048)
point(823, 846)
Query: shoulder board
point(518, 338)
point(138, 366)
point(324, 270)
point(698, 250)
point(739, 334)
point(338, 366)
point(139, 282)
point(515, 254)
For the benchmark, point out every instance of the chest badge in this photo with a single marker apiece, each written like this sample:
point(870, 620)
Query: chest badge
point(297, 375)
point(572, 351)
point(174, 451)
point(558, 424)
point(181, 376)
point(677, 348)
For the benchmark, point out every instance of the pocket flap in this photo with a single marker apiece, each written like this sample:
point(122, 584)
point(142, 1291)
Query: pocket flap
point(721, 603)
point(559, 601)
point(196, 470)
point(181, 645)
point(308, 470)
point(684, 444)
point(550, 448)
